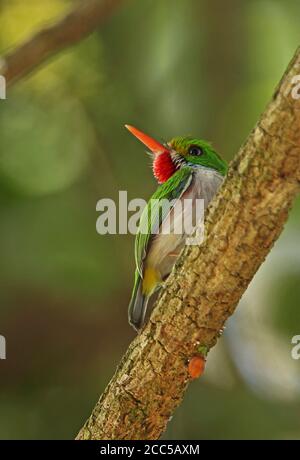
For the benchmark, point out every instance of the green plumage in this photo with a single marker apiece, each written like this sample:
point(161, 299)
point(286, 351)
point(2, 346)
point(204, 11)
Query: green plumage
point(153, 215)
point(208, 159)
point(151, 219)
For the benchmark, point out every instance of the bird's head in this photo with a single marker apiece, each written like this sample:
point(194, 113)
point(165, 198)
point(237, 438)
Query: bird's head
point(180, 152)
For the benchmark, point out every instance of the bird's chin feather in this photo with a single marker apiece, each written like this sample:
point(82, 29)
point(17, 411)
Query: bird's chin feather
point(164, 167)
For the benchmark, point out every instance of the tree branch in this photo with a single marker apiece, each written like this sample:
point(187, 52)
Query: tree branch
point(243, 222)
point(78, 24)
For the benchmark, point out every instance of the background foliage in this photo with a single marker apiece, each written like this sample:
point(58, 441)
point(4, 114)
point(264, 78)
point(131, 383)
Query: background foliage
point(170, 67)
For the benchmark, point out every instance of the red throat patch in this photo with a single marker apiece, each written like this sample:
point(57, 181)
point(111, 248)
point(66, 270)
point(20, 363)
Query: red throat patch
point(163, 167)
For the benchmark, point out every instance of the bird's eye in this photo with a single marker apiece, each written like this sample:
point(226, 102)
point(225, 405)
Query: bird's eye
point(195, 151)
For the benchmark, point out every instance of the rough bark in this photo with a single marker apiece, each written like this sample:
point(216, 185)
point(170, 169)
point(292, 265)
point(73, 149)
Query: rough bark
point(78, 24)
point(242, 223)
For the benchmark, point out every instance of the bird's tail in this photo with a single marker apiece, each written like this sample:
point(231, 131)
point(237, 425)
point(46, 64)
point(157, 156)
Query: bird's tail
point(138, 304)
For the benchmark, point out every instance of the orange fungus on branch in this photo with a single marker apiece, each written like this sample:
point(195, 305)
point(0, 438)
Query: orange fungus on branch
point(196, 366)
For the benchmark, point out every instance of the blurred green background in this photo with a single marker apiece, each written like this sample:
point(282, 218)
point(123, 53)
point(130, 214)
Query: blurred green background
point(171, 67)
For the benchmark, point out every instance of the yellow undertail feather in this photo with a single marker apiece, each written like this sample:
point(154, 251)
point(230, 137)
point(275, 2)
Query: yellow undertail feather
point(143, 289)
point(150, 281)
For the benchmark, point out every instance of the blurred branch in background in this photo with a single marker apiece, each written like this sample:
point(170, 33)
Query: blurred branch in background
point(243, 222)
point(78, 24)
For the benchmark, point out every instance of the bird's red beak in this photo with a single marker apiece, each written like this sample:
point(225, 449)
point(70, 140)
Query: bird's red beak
point(156, 147)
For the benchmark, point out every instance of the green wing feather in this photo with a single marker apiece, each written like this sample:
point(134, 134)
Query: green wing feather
point(151, 219)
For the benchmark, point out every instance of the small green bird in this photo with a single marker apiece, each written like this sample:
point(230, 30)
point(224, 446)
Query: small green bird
point(185, 168)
